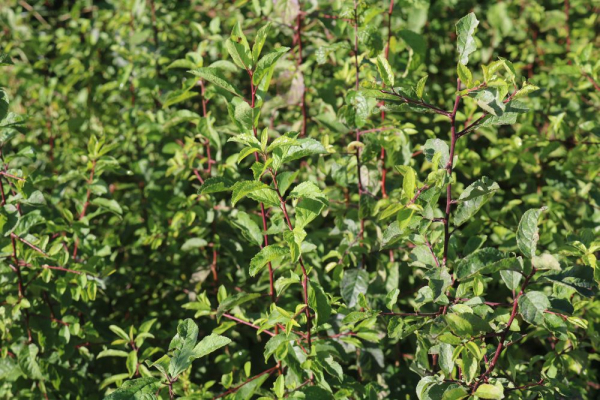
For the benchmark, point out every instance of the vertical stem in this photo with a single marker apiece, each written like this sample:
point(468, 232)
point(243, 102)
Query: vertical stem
point(567, 7)
point(300, 260)
point(358, 165)
point(502, 338)
point(262, 206)
point(298, 64)
point(387, 54)
point(356, 42)
point(155, 31)
point(449, 167)
point(85, 205)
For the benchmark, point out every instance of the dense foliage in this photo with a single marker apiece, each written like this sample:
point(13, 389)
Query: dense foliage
point(354, 199)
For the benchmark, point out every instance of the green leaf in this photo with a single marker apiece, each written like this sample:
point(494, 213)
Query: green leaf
point(244, 188)
point(238, 48)
point(409, 184)
point(511, 279)
point(249, 229)
point(266, 255)
point(5, 59)
point(267, 63)
point(477, 261)
point(112, 353)
point(433, 146)
point(446, 358)
point(214, 76)
point(464, 74)
point(279, 386)
point(3, 104)
point(473, 198)
point(183, 345)
point(465, 28)
point(108, 204)
point(259, 41)
point(307, 190)
point(420, 89)
point(142, 388)
point(119, 332)
point(354, 282)
point(466, 324)
point(455, 393)
point(209, 344)
point(27, 358)
point(234, 301)
point(294, 240)
point(487, 391)
point(528, 232)
point(532, 306)
point(274, 343)
point(131, 362)
point(318, 301)
point(392, 298)
point(385, 71)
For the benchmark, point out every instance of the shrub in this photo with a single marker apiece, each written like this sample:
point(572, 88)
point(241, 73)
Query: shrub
point(332, 201)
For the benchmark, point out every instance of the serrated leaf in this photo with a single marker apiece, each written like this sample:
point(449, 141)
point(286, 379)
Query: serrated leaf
point(142, 388)
point(209, 344)
point(215, 185)
point(266, 255)
point(532, 306)
point(244, 188)
point(267, 63)
point(248, 227)
point(473, 198)
point(214, 76)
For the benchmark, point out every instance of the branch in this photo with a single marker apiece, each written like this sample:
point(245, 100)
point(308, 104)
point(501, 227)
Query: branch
point(236, 388)
point(419, 103)
point(241, 321)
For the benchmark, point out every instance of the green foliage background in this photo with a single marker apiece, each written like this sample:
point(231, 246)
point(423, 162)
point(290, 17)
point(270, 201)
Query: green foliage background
point(110, 245)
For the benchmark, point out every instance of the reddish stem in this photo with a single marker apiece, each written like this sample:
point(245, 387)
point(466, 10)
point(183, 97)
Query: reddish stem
point(241, 321)
point(506, 330)
point(236, 388)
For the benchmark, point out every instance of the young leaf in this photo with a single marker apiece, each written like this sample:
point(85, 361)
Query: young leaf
point(244, 188)
point(266, 63)
point(385, 71)
point(487, 391)
point(464, 74)
point(266, 255)
point(259, 41)
point(421, 86)
point(238, 48)
point(214, 76)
